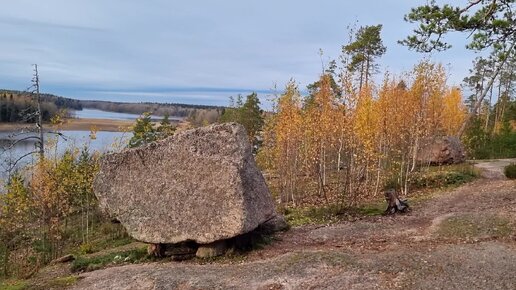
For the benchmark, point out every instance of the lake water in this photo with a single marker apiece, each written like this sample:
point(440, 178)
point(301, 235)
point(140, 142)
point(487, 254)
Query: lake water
point(101, 141)
point(99, 114)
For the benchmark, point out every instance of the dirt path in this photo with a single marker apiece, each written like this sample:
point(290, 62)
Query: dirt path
point(493, 169)
point(460, 239)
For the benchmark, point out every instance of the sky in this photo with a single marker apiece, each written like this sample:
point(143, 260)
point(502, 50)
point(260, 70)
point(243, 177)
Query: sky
point(197, 52)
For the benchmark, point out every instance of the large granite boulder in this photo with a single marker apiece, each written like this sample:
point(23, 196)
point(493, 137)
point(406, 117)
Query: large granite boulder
point(442, 150)
point(199, 185)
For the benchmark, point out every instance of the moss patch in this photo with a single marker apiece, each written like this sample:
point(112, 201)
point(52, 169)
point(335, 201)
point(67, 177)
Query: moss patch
point(63, 282)
point(372, 209)
point(441, 177)
point(469, 226)
point(13, 285)
point(332, 214)
point(311, 215)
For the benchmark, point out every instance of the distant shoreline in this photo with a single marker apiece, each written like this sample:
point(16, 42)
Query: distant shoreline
point(72, 124)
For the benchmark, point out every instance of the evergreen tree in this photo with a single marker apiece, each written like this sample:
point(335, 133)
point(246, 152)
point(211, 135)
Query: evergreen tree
point(247, 113)
point(165, 128)
point(368, 46)
point(143, 131)
point(251, 115)
point(489, 25)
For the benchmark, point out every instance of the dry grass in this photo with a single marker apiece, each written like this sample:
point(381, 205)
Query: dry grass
point(97, 124)
point(86, 125)
point(79, 125)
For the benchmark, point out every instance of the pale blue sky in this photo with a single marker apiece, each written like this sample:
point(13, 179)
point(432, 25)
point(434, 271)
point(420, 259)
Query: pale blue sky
point(192, 51)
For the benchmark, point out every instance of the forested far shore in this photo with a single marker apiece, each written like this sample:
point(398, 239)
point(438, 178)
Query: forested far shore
point(18, 106)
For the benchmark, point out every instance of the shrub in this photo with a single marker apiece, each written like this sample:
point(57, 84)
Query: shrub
point(86, 248)
point(510, 171)
point(438, 177)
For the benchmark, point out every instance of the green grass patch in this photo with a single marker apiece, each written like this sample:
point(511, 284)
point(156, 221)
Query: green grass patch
point(99, 244)
point(13, 285)
point(510, 171)
point(443, 176)
point(332, 213)
point(311, 215)
point(62, 282)
point(84, 263)
point(102, 244)
point(372, 209)
point(470, 226)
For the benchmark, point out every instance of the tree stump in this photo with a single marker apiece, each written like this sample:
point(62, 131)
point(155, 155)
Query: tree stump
point(394, 203)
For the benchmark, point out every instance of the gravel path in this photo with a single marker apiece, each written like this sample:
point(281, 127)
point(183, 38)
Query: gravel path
point(459, 239)
point(493, 169)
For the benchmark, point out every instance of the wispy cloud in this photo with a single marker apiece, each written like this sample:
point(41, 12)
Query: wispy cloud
point(194, 51)
point(31, 23)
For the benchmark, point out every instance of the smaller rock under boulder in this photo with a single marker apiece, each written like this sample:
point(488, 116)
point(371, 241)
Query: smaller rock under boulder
point(275, 224)
point(441, 151)
point(214, 249)
point(177, 252)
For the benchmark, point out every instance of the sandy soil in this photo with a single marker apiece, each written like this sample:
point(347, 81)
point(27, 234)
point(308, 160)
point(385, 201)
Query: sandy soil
point(459, 239)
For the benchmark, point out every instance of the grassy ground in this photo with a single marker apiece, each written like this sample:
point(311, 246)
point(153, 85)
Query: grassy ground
point(90, 263)
point(422, 185)
point(107, 247)
point(468, 226)
point(459, 238)
point(13, 284)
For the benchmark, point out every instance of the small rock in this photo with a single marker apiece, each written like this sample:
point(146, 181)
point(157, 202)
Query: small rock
point(156, 250)
point(275, 224)
point(214, 249)
point(181, 251)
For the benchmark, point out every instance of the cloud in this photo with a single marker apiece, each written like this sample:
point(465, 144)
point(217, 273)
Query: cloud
point(31, 23)
point(189, 50)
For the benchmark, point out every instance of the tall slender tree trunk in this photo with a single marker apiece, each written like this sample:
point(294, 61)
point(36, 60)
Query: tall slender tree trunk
point(367, 70)
point(414, 153)
point(498, 107)
point(40, 114)
point(378, 169)
point(470, 116)
point(361, 76)
point(488, 113)
point(6, 261)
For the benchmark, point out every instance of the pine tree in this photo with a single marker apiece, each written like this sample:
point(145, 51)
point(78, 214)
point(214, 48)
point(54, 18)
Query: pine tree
point(143, 131)
point(368, 46)
point(247, 113)
point(165, 128)
point(489, 25)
